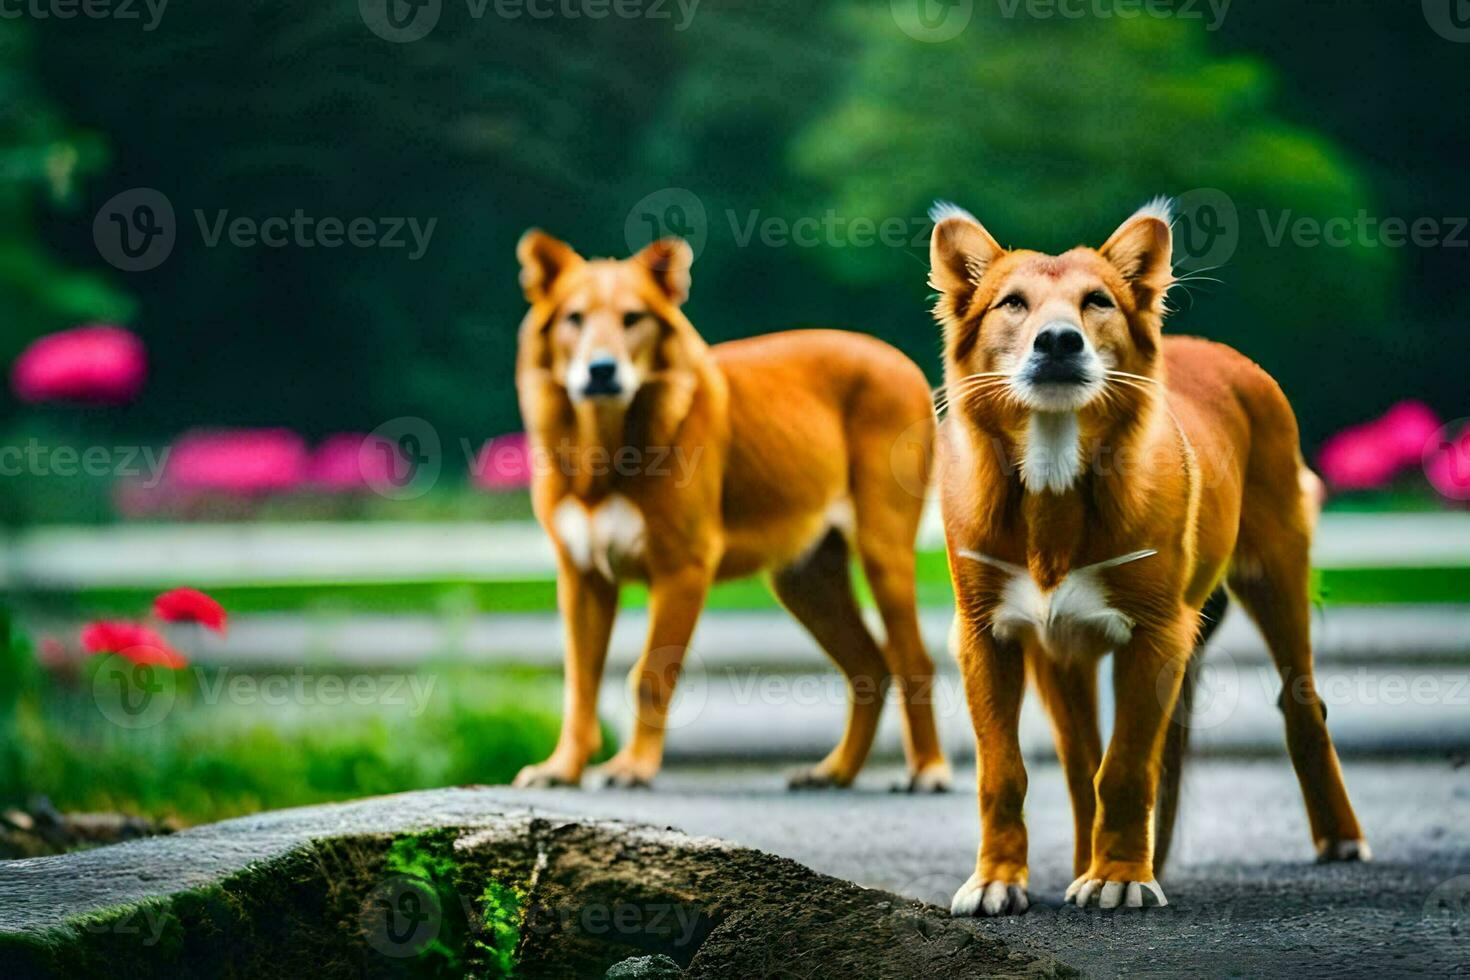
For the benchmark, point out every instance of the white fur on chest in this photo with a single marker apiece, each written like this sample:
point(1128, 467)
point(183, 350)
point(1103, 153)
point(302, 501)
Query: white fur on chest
point(1076, 617)
point(1053, 456)
point(608, 537)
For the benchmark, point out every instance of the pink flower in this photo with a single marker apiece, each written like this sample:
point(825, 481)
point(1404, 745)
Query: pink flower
point(1448, 467)
point(136, 642)
point(99, 364)
point(239, 461)
point(1367, 456)
point(190, 606)
point(1407, 428)
point(351, 461)
point(1358, 458)
point(504, 463)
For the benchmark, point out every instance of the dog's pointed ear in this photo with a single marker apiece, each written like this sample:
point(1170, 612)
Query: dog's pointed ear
point(960, 250)
point(668, 261)
point(1141, 250)
point(543, 259)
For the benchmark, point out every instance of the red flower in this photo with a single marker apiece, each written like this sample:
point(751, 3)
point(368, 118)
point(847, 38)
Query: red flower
point(190, 606)
point(101, 364)
point(134, 641)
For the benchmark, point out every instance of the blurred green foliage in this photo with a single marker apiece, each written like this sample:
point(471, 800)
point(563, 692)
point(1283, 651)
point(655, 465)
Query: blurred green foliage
point(43, 161)
point(1050, 129)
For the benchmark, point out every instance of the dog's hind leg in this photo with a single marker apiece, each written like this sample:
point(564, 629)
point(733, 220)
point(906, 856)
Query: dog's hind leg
point(887, 522)
point(1176, 740)
point(1270, 578)
point(818, 591)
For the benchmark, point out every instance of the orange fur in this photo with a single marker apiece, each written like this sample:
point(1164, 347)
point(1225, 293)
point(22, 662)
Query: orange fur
point(781, 452)
point(1183, 448)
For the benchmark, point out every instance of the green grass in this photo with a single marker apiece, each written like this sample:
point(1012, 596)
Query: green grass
point(1336, 586)
point(215, 743)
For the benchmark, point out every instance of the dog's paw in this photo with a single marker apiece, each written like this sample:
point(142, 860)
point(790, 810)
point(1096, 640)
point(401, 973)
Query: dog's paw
point(543, 776)
point(1110, 893)
point(933, 778)
point(986, 898)
point(1329, 851)
point(816, 777)
point(620, 773)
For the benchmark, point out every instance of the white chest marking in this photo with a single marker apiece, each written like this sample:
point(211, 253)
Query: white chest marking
point(1053, 457)
point(608, 537)
point(1076, 616)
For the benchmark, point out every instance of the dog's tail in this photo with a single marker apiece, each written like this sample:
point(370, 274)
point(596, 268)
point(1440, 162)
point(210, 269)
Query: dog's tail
point(1176, 740)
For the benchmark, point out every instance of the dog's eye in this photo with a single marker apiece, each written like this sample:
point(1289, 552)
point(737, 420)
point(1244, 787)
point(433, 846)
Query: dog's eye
point(575, 319)
point(1013, 302)
point(631, 318)
point(1098, 299)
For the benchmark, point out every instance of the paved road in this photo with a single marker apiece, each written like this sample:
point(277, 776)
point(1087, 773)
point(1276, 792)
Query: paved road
point(1245, 901)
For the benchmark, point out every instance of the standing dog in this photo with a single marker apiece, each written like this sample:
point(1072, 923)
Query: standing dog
point(677, 464)
point(1099, 484)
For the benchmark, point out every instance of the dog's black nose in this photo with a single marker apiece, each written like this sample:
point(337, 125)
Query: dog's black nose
point(1061, 340)
point(602, 376)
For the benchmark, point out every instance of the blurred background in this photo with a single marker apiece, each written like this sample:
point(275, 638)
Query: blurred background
point(257, 265)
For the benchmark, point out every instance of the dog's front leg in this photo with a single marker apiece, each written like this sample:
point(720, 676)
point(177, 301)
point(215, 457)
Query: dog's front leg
point(995, 678)
point(1147, 674)
point(674, 603)
point(588, 605)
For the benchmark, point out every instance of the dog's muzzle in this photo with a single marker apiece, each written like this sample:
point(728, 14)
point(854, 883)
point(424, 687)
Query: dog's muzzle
point(602, 378)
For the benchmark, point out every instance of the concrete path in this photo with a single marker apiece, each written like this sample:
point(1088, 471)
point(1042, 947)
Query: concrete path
point(1396, 678)
point(216, 554)
point(1246, 901)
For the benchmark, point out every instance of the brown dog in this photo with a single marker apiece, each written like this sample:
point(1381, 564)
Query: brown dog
point(1099, 484)
point(677, 464)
